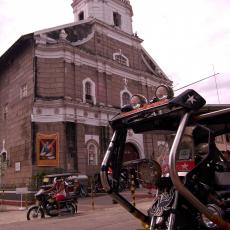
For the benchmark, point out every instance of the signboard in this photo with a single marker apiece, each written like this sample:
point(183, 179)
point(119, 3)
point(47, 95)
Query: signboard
point(17, 166)
point(22, 190)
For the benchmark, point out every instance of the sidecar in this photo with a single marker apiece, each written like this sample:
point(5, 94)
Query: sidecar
point(72, 180)
point(190, 128)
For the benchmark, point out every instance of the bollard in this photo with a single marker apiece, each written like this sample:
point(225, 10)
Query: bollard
point(92, 194)
point(26, 201)
point(2, 206)
point(145, 225)
point(132, 189)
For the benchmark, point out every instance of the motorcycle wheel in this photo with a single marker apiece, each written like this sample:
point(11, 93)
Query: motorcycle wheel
point(83, 192)
point(72, 208)
point(35, 213)
point(75, 206)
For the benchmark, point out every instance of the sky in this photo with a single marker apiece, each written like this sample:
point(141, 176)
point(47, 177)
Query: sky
point(189, 40)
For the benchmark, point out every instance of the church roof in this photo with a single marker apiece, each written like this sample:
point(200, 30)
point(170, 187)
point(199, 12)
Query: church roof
point(75, 33)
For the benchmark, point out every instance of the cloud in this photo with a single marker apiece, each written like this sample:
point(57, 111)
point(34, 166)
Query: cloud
point(186, 40)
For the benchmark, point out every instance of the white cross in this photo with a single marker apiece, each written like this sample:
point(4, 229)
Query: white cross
point(191, 99)
point(125, 81)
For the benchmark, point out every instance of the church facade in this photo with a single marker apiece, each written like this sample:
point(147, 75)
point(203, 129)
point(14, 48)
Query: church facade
point(60, 86)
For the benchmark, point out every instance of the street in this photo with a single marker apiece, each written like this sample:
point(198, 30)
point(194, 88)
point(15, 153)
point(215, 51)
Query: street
point(104, 215)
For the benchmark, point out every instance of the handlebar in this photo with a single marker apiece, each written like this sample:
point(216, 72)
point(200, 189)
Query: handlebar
point(181, 188)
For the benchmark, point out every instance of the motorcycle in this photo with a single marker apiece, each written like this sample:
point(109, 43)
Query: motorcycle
point(193, 181)
point(46, 205)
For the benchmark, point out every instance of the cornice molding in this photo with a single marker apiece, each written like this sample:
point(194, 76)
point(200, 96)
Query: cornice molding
point(101, 66)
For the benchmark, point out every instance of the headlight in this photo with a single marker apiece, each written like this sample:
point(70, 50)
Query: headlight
point(216, 211)
point(149, 171)
point(163, 92)
point(138, 100)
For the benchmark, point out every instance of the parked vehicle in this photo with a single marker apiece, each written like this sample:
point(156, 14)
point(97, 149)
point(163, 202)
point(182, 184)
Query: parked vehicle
point(193, 181)
point(46, 205)
point(74, 185)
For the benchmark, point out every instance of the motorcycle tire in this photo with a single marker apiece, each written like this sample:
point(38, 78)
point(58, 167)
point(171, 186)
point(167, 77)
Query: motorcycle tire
point(35, 213)
point(83, 192)
point(72, 208)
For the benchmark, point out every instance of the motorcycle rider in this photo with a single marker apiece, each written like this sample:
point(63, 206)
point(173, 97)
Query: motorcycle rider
point(59, 190)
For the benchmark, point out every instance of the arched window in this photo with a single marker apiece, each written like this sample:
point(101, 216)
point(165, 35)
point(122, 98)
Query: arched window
point(89, 91)
point(92, 154)
point(130, 152)
point(121, 59)
point(125, 98)
point(5, 111)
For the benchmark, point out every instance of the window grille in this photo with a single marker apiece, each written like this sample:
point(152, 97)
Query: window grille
point(125, 98)
point(23, 91)
point(81, 16)
point(117, 19)
point(92, 154)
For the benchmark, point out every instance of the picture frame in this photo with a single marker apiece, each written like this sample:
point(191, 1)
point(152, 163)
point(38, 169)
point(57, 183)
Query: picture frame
point(47, 149)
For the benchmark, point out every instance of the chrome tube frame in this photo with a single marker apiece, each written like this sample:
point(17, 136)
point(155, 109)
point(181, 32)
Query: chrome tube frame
point(106, 185)
point(180, 187)
point(172, 215)
point(105, 162)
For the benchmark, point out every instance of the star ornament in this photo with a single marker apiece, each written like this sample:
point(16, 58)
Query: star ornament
point(184, 166)
point(191, 99)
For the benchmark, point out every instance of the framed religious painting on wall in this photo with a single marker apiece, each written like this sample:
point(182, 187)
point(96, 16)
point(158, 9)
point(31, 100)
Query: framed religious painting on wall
point(47, 149)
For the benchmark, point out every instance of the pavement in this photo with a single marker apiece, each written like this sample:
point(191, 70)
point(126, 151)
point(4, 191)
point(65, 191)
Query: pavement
point(97, 207)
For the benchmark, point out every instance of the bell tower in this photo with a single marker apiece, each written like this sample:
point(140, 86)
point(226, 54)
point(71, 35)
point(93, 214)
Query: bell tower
point(116, 13)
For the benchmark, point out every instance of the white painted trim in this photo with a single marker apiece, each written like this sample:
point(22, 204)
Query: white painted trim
point(4, 149)
point(69, 57)
point(62, 26)
point(70, 114)
point(92, 137)
point(103, 11)
point(147, 64)
point(84, 40)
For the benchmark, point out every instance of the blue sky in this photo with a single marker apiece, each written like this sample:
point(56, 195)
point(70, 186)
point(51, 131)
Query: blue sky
point(190, 40)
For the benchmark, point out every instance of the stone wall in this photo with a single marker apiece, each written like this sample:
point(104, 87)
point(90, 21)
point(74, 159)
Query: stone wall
point(15, 116)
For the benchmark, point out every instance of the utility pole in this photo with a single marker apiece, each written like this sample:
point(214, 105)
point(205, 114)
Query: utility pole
point(214, 75)
point(217, 91)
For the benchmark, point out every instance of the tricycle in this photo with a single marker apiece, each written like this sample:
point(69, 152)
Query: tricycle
point(193, 180)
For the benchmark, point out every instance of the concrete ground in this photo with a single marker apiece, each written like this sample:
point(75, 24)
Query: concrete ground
point(91, 208)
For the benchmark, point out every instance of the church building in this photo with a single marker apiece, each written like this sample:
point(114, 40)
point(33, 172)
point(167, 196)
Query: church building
point(60, 86)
